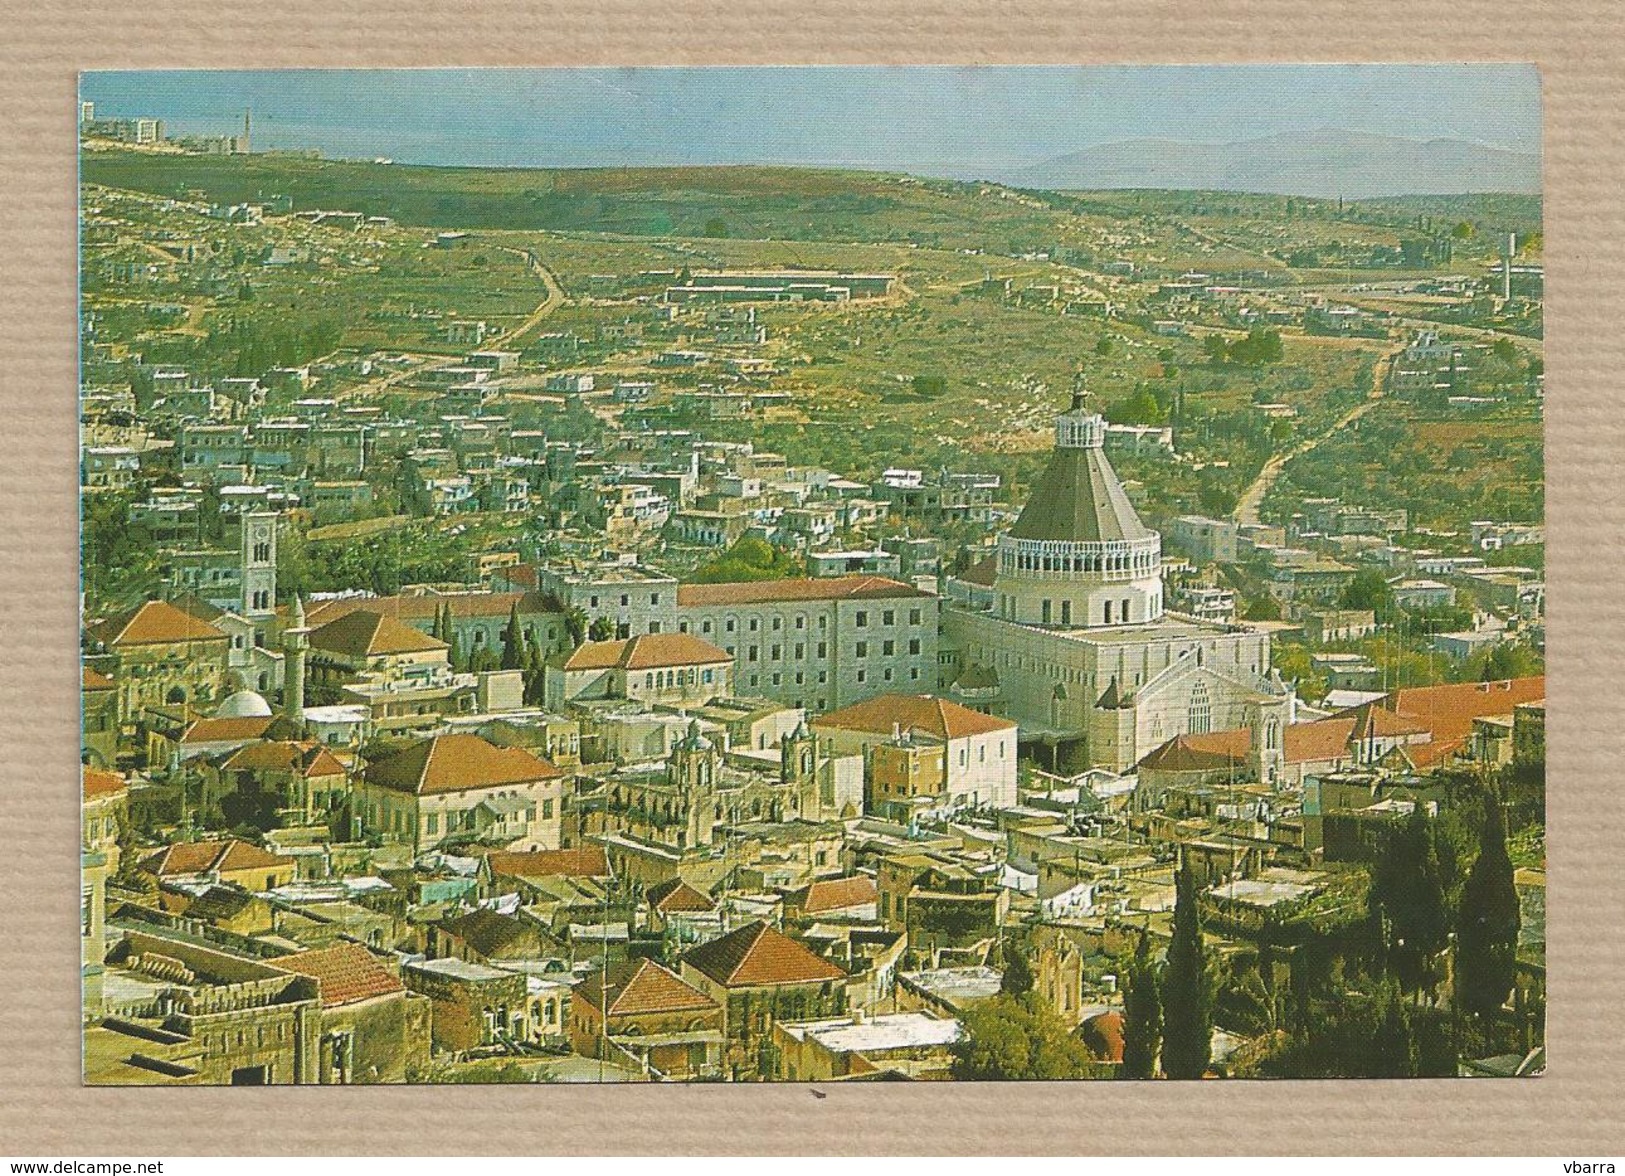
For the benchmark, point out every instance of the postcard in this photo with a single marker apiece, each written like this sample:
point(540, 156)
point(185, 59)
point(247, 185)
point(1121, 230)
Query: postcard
point(812, 575)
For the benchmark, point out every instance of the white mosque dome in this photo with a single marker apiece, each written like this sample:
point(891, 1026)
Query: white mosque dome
point(245, 704)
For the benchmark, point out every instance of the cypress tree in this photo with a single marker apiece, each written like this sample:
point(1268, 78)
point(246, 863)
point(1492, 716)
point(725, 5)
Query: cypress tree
point(1394, 1053)
point(1187, 1041)
point(1142, 1014)
point(1408, 894)
point(513, 643)
point(1487, 928)
point(535, 674)
point(1017, 979)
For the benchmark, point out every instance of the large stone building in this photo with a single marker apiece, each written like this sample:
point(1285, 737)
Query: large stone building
point(818, 644)
point(1076, 637)
point(461, 788)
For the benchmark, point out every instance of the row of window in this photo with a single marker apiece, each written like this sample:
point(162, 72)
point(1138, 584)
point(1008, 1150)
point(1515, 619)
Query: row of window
point(860, 649)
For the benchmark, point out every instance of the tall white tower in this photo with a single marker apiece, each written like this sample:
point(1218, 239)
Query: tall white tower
point(1079, 557)
point(259, 566)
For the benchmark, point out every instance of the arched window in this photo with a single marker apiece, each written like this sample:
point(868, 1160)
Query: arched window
point(1272, 734)
point(1201, 710)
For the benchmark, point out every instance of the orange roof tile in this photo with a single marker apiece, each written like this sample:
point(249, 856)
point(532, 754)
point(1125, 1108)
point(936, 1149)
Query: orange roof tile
point(369, 634)
point(423, 607)
point(758, 956)
point(452, 763)
point(94, 680)
point(648, 651)
point(1210, 751)
point(674, 896)
point(834, 894)
point(1317, 742)
point(198, 857)
point(227, 730)
point(1103, 1035)
point(642, 988)
point(768, 591)
point(346, 973)
point(913, 712)
point(284, 755)
point(1448, 711)
point(156, 622)
point(99, 783)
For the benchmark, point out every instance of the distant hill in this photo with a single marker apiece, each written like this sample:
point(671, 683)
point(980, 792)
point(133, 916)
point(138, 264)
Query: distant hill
point(1329, 164)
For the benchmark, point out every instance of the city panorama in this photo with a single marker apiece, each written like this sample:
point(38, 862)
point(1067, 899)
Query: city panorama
point(812, 575)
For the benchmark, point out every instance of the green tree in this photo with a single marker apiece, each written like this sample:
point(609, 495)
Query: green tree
point(1011, 1038)
point(1394, 1053)
point(1487, 924)
point(602, 629)
point(575, 624)
point(1369, 590)
point(716, 227)
point(513, 642)
point(1017, 979)
point(1142, 1014)
point(1187, 993)
point(1103, 346)
point(1464, 231)
point(1408, 896)
point(1265, 608)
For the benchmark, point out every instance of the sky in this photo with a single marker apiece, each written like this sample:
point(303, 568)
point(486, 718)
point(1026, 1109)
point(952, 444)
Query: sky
point(957, 121)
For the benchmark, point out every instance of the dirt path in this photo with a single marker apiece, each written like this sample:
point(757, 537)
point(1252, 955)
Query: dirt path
point(553, 300)
point(1252, 498)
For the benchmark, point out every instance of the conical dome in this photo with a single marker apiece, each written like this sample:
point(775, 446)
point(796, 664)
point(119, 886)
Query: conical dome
point(1079, 498)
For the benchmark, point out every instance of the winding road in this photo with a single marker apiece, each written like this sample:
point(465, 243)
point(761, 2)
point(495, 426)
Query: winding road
point(1247, 506)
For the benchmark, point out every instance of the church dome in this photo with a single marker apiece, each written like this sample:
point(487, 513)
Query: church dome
point(1078, 555)
point(245, 704)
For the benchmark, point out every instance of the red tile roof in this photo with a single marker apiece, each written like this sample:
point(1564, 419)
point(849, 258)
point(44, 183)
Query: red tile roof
point(99, 783)
point(424, 607)
point(1103, 1035)
point(637, 988)
point(452, 763)
point(198, 857)
point(227, 730)
point(94, 680)
point(758, 956)
point(284, 755)
point(1318, 742)
point(346, 974)
point(913, 712)
point(1301, 743)
point(1448, 711)
point(1211, 751)
point(835, 894)
point(770, 591)
point(585, 862)
point(648, 651)
point(155, 623)
point(674, 896)
point(369, 634)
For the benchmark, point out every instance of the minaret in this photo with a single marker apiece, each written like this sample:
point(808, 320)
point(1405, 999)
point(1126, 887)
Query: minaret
point(295, 642)
point(242, 144)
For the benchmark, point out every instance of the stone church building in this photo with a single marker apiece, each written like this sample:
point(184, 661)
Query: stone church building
point(1066, 632)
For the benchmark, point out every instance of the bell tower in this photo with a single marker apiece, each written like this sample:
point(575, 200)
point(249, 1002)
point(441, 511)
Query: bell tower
point(258, 558)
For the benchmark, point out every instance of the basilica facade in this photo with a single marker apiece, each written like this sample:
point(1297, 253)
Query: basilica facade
point(1066, 632)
